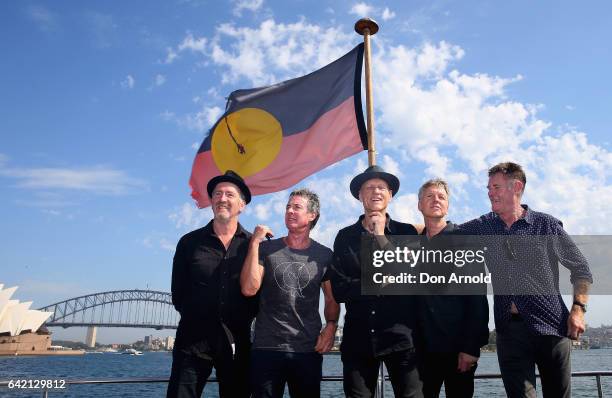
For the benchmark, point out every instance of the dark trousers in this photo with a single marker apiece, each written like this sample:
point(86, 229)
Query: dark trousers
point(271, 370)
point(189, 374)
point(361, 374)
point(441, 368)
point(519, 351)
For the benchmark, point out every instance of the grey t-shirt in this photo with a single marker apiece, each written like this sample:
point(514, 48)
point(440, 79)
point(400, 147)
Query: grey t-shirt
point(288, 318)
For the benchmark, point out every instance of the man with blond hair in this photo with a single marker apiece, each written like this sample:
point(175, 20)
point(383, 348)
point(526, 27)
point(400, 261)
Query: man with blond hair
point(454, 326)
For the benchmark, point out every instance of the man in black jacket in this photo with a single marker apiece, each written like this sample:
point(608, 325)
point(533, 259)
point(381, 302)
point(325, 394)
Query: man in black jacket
point(454, 326)
point(214, 330)
point(376, 328)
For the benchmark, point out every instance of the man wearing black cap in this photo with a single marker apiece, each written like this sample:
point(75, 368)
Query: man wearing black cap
point(376, 328)
point(214, 329)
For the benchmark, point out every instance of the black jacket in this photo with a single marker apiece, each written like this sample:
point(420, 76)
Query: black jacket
point(373, 325)
point(206, 291)
point(453, 323)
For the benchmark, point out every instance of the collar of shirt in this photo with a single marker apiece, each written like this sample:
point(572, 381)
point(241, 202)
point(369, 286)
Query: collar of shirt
point(210, 231)
point(528, 218)
point(450, 227)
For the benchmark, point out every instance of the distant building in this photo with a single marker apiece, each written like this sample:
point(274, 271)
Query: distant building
point(169, 343)
point(148, 341)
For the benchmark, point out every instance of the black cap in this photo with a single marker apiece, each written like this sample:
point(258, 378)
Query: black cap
point(374, 172)
point(234, 178)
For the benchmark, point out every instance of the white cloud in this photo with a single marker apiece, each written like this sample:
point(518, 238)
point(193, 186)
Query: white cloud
point(128, 82)
point(361, 9)
point(98, 180)
point(190, 44)
point(160, 80)
point(167, 245)
point(404, 208)
point(250, 5)
point(391, 166)
point(457, 125)
point(171, 55)
point(201, 120)
point(45, 19)
point(387, 14)
point(188, 217)
point(262, 212)
point(271, 52)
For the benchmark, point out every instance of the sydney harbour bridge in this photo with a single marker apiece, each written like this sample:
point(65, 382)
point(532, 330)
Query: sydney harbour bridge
point(119, 308)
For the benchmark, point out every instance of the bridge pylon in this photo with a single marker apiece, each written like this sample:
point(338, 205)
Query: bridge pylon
point(90, 340)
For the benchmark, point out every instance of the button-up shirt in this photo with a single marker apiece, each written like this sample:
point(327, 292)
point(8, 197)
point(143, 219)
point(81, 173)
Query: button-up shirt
point(206, 291)
point(373, 325)
point(544, 314)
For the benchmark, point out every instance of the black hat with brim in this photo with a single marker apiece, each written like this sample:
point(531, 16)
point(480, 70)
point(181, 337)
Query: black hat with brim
point(374, 172)
point(234, 178)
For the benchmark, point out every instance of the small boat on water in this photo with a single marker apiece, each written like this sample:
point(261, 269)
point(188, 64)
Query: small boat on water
point(131, 351)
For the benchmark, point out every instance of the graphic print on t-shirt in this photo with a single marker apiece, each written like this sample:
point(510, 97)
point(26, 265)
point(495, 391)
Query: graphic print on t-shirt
point(293, 277)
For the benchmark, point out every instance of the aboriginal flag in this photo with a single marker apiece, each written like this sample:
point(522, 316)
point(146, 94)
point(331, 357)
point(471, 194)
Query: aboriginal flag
point(275, 136)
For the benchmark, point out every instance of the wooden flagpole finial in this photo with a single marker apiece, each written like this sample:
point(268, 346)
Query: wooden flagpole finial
point(366, 23)
point(368, 27)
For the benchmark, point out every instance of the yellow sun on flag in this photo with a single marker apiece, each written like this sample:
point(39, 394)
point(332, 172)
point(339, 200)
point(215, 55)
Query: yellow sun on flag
point(246, 141)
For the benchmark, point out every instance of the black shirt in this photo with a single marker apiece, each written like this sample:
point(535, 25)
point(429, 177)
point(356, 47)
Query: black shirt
point(373, 325)
point(453, 323)
point(206, 291)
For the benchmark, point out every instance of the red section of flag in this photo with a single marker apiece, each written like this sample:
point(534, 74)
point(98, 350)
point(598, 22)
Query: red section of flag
point(301, 155)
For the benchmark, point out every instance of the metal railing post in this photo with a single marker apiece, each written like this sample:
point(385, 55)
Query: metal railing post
point(380, 382)
point(599, 389)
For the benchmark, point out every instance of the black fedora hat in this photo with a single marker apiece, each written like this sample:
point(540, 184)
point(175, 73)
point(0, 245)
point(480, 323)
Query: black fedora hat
point(374, 172)
point(234, 178)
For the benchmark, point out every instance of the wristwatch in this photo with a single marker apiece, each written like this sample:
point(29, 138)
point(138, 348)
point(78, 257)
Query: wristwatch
point(581, 305)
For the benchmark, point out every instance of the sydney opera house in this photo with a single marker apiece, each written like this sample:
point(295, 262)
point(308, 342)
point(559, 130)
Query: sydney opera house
point(20, 327)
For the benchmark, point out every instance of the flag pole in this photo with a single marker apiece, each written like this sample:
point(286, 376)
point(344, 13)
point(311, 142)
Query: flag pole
point(368, 27)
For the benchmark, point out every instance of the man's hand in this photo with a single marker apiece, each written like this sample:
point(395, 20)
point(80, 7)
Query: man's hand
point(260, 232)
point(466, 362)
point(325, 341)
point(575, 323)
point(375, 222)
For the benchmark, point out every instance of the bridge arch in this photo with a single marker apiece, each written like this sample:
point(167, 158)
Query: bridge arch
point(117, 308)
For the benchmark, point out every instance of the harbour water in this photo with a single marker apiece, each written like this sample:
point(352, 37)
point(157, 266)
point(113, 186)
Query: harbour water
point(157, 364)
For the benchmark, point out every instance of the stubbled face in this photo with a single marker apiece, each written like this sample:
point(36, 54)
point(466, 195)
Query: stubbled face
point(434, 202)
point(503, 193)
point(226, 202)
point(375, 195)
point(297, 216)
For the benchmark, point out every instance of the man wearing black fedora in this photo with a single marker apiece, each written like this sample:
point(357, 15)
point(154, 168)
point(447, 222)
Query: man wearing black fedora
point(214, 330)
point(376, 328)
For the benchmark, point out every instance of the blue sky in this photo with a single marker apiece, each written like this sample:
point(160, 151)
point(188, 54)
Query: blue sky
point(103, 105)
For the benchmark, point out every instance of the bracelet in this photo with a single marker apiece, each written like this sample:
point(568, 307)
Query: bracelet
point(331, 321)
